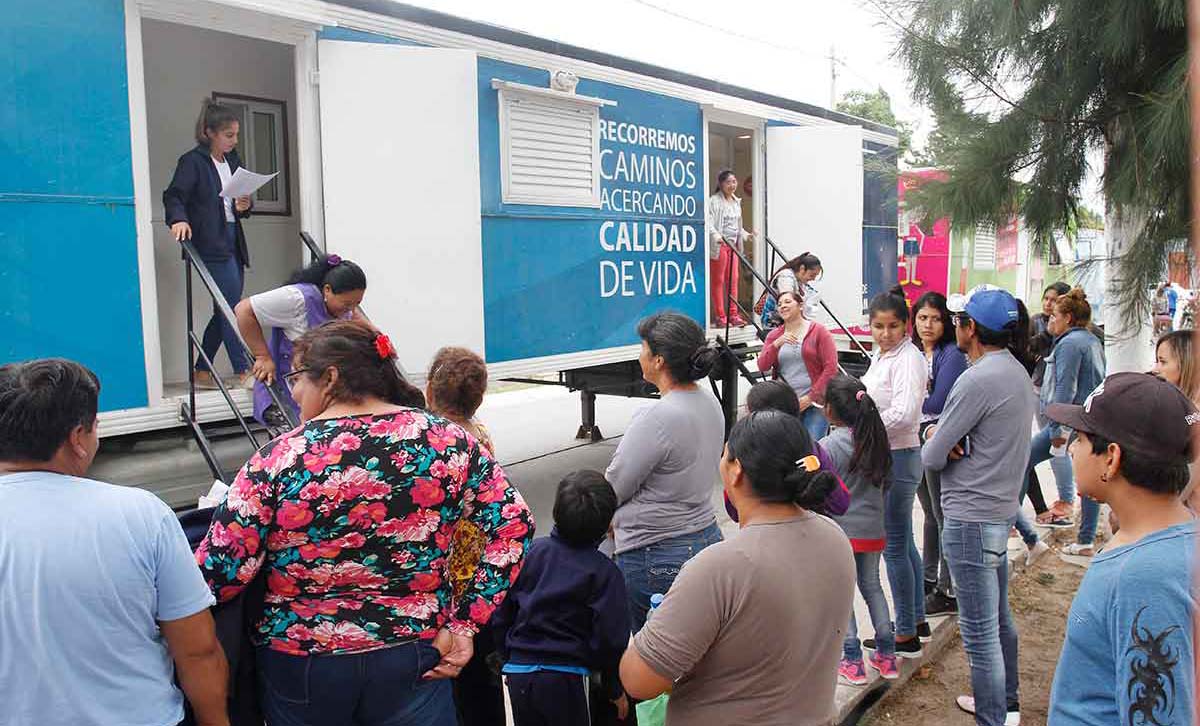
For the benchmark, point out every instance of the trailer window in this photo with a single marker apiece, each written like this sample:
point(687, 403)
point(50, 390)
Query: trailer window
point(985, 247)
point(262, 144)
point(549, 149)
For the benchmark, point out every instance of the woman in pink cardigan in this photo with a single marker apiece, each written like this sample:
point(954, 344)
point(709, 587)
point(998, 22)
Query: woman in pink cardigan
point(802, 353)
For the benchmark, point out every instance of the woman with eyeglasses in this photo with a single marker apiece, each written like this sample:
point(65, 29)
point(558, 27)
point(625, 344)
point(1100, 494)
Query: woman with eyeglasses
point(328, 289)
point(352, 516)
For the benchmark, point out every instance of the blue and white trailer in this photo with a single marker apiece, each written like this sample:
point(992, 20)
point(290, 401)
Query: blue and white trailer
point(494, 203)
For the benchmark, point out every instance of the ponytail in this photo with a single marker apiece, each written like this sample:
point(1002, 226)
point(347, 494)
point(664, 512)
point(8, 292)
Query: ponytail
point(213, 117)
point(340, 275)
point(892, 301)
point(847, 399)
point(776, 454)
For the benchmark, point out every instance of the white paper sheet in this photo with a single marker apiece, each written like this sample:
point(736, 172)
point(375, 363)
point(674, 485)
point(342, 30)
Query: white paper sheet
point(244, 182)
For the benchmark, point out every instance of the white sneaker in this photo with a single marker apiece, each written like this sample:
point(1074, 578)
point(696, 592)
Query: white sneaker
point(967, 703)
point(1032, 554)
point(1079, 550)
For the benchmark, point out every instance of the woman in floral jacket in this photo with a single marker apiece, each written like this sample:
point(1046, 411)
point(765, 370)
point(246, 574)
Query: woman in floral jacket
point(352, 516)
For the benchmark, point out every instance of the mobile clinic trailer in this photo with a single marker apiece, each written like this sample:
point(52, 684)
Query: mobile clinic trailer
point(493, 201)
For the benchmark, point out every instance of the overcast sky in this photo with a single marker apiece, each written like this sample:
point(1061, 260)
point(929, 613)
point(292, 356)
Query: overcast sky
point(774, 46)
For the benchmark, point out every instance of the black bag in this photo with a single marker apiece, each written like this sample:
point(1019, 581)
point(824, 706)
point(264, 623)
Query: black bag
point(235, 622)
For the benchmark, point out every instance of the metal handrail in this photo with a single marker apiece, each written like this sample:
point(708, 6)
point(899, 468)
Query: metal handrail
point(192, 262)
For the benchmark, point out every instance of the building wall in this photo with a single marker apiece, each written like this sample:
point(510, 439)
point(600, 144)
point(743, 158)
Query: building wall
point(183, 65)
point(69, 282)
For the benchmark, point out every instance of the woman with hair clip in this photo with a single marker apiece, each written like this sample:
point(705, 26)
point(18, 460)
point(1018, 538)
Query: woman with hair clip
point(328, 289)
point(723, 219)
point(795, 276)
point(933, 334)
point(858, 445)
point(803, 354)
point(662, 469)
point(751, 630)
point(352, 516)
point(195, 210)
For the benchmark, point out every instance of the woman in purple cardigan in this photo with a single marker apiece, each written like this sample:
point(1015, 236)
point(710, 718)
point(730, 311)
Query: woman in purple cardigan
point(934, 336)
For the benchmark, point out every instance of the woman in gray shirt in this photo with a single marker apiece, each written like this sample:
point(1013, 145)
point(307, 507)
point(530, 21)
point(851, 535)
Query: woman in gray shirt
point(664, 470)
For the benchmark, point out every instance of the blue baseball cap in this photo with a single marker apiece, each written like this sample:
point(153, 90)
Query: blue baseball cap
point(992, 307)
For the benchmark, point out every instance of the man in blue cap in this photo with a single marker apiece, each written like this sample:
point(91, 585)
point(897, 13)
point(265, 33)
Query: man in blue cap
point(981, 447)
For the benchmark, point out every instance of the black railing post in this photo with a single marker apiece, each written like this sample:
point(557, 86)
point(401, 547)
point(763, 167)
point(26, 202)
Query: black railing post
point(191, 327)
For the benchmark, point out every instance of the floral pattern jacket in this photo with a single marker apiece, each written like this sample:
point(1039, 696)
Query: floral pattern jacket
point(353, 519)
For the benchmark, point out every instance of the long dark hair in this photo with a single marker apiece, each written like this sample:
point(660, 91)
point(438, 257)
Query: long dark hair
point(847, 399)
point(937, 301)
point(725, 174)
point(773, 396)
point(681, 343)
point(807, 260)
point(340, 275)
point(770, 446)
point(892, 301)
point(213, 117)
point(353, 347)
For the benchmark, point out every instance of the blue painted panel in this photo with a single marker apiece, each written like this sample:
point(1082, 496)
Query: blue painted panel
point(362, 36)
point(69, 283)
point(567, 279)
point(66, 290)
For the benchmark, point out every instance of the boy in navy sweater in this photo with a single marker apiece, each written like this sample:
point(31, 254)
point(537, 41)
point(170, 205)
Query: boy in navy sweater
point(566, 615)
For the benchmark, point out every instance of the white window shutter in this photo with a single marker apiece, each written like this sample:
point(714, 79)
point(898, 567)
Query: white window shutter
point(550, 150)
point(985, 247)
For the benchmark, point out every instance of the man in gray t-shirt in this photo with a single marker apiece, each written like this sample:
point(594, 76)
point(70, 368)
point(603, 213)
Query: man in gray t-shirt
point(981, 446)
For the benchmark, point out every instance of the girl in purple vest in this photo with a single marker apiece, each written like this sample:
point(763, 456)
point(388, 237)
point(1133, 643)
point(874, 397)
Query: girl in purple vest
point(328, 289)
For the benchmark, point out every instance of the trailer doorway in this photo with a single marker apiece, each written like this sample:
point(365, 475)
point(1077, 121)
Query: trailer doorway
point(732, 148)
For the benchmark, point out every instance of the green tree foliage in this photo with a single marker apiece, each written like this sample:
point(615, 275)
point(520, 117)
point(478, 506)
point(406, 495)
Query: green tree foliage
point(1023, 89)
point(876, 106)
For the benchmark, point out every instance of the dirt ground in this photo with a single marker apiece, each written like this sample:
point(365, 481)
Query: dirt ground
point(1040, 598)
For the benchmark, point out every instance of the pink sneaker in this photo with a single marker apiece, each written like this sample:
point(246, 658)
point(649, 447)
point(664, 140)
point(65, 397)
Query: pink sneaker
point(886, 665)
point(852, 672)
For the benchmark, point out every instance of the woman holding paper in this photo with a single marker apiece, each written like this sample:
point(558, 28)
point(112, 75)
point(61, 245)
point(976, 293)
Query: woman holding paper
point(196, 211)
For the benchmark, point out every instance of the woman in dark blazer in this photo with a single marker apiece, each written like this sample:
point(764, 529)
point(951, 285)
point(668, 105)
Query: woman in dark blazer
point(196, 211)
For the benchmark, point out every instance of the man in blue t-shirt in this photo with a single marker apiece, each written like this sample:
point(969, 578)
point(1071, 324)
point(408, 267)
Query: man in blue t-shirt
point(101, 602)
point(1127, 658)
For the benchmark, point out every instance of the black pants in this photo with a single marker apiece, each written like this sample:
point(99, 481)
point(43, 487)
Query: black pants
point(478, 692)
point(548, 698)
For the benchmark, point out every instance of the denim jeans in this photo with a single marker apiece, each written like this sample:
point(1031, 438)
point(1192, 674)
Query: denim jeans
point(866, 567)
point(936, 569)
point(230, 276)
point(978, 557)
point(815, 423)
point(901, 556)
point(378, 688)
point(652, 569)
point(1089, 519)
point(1064, 478)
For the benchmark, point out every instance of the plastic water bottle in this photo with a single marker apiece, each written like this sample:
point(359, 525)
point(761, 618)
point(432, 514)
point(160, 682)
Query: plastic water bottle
point(1058, 451)
point(655, 600)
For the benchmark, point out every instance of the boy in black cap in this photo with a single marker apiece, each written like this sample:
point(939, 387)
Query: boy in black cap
point(566, 614)
point(1128, 656)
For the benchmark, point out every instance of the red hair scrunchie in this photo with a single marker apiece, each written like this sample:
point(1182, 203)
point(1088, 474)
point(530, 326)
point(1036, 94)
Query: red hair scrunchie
point(383, 346)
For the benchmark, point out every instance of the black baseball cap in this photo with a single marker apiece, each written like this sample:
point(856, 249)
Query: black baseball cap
point(1140, 411)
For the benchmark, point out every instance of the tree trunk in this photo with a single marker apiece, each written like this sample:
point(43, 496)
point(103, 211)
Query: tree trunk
point(1127, 347)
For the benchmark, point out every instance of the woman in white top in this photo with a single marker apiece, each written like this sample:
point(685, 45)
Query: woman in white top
point(723, 218)
point(329, 289)
point(897, 380)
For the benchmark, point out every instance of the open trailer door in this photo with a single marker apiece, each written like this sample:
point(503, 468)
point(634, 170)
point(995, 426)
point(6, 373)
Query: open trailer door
point(400, 159)
point(815, 204)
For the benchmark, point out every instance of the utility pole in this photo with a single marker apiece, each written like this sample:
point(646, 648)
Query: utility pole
point(833, 61)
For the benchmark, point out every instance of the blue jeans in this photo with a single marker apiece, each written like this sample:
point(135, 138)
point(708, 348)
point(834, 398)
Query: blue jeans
point(866, 567)
point(652, 569)
point(1064, 478)
point(978, 557)
point(815, 423)
point(378, 688)
point(230, 276)
point(901, 556)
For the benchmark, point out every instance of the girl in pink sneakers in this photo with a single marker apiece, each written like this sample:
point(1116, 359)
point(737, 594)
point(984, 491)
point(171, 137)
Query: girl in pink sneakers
point(858, 445)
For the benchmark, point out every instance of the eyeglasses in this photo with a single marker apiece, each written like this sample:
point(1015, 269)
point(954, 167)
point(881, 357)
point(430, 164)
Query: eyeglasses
point(290, 377)
point(960, 319)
